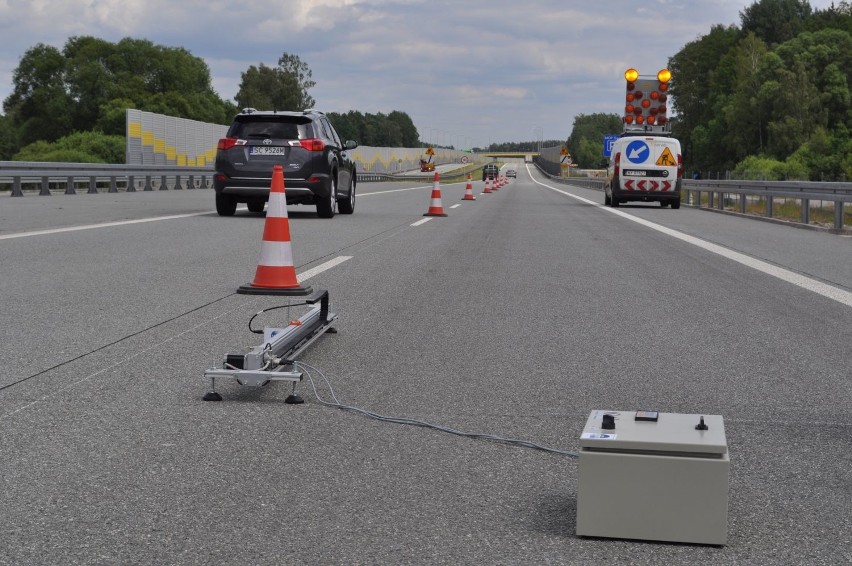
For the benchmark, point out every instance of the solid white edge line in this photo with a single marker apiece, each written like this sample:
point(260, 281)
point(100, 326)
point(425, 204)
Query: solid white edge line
point(828, 291)
point(424, 221)
point(102, 225)
point(323, 267)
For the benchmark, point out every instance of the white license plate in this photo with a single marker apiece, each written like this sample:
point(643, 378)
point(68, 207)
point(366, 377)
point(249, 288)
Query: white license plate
point(267, 150)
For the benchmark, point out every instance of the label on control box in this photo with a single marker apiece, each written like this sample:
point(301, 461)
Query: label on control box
point(598, 435)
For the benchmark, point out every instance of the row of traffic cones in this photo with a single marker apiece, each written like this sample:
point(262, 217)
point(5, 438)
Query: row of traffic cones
point(276, 274)
point(437, 209)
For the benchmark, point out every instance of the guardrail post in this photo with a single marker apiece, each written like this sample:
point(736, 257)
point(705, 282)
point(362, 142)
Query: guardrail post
point(769, 207)
point(93, 186)
point(69, 186)
point(806, 211)
point(721, 204)
point(163, 185)
point(148, 186)
point(710, 196)
point(131, 184)
point(16, 187)
point(743, 203)
point(178, 185)
point(191, 183)
point(45, 187)
point(838, 215)
point(112, 187)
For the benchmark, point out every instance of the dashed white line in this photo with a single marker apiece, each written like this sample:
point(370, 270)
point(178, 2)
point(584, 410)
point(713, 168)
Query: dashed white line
point(323, 267)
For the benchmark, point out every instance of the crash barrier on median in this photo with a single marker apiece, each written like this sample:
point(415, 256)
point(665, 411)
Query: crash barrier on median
point(44, 177)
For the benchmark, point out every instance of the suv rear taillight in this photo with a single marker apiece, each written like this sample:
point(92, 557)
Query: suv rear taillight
point(617, 161)
point(228, 143)
point(312, 144)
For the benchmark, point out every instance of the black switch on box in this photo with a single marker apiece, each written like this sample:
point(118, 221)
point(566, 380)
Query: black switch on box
point(608, 422)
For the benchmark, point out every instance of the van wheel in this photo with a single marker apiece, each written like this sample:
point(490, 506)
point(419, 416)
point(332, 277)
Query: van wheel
point(613, 202)
point(607, 199)
point(226, 205)
point(676, 204)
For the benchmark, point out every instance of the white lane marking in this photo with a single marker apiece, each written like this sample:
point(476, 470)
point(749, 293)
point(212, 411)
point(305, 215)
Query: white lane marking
point(828, 291)
point(102, 225)
point(158, 218)
point(323, 267)
point(402, 190)
point(455, 206)
point(424, 221)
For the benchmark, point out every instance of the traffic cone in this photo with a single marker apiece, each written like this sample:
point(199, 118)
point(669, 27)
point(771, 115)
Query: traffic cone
point(275, 273)
point(435, 207)
point(496, 185)
point(487, 186)
point(468, 191)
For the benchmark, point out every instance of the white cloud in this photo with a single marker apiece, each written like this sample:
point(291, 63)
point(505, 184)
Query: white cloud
point(489, 70)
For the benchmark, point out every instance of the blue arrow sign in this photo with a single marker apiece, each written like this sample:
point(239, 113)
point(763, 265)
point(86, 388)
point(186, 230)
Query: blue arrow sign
point(637, 151)
point(609, 139)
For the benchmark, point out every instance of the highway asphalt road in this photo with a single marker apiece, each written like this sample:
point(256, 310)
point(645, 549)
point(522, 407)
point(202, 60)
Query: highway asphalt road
point(516, 315)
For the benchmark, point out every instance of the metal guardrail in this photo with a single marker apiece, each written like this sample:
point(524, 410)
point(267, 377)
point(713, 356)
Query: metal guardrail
point(716, 194)
point(129, 178)
point(19, 174)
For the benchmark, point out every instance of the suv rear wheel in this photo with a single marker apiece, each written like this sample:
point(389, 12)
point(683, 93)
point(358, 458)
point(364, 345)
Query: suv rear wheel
point(226, 205)
point(326, 207)
point(347, 206)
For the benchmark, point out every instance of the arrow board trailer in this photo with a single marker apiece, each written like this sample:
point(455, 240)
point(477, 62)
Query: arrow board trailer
point(275, 358)
point(644, 168)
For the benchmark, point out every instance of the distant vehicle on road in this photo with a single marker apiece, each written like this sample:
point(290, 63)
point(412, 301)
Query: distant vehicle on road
point(490, 171)
point(511, 173)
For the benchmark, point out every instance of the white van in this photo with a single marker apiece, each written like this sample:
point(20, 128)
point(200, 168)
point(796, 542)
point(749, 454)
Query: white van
point(644, 168)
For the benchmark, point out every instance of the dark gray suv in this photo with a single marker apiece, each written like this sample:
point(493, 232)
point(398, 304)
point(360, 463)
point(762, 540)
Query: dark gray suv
point(317, 168)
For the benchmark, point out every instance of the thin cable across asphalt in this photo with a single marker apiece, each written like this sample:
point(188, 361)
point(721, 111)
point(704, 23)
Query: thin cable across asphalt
point(307, 368)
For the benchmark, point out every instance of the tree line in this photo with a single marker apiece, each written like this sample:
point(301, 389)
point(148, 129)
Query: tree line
point(769, 99)
point(69, 104)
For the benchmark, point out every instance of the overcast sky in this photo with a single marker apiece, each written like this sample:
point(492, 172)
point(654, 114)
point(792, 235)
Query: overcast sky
point(469, 73)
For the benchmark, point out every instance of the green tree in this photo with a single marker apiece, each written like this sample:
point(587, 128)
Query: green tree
point(585, 144)
point(82, 147)
point(38, 105)
point(775, 21)
point(284, 87)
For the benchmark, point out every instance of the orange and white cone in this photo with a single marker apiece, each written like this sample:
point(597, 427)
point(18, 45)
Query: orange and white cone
point(487, 186)
point(468, 191)
point(435, 206)
point(496, 186)
point(276, 274)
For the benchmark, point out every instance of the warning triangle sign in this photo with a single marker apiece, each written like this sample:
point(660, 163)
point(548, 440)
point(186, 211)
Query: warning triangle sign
point(666, 159)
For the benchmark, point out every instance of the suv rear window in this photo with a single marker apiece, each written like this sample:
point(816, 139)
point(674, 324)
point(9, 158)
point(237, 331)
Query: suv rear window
point(270, 128)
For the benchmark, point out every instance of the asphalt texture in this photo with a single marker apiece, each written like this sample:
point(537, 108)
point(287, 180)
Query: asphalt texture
point(515, 316)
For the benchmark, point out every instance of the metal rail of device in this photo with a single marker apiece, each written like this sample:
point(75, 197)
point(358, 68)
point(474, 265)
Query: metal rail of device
point(273, 360)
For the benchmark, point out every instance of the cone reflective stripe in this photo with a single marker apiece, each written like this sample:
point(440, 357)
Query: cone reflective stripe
point(468, 191)
point(487, 185)
point(435, 206)
point(276, 274)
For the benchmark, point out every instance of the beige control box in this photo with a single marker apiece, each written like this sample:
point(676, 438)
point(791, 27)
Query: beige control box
point(654, 476)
